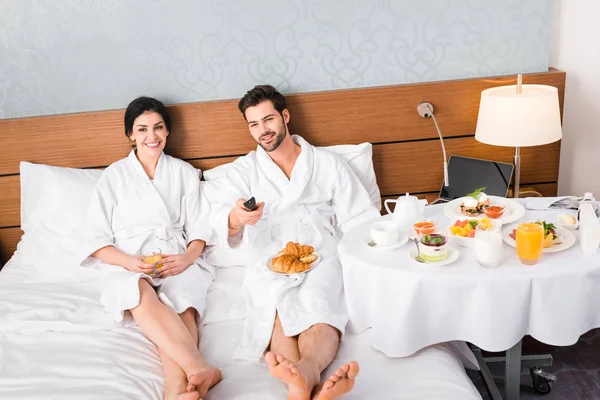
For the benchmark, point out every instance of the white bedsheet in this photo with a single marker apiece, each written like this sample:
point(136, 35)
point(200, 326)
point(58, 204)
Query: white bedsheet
point(56, 343)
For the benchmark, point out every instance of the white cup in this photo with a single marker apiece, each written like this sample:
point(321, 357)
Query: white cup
point(384, 233)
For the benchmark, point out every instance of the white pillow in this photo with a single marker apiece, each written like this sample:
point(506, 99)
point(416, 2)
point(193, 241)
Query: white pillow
point(54, 200)
point(359, 158)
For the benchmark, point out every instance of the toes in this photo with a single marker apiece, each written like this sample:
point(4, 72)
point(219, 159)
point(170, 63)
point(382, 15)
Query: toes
point(353, 369)
point(328, 384)
point(271, 359)
point(280, 358)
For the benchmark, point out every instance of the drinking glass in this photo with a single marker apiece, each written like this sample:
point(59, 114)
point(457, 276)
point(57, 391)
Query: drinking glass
point(488, 244)
point(152, 255)
point(530, 242)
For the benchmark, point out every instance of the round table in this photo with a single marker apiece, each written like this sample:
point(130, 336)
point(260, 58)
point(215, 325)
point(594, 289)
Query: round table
point(410, 306)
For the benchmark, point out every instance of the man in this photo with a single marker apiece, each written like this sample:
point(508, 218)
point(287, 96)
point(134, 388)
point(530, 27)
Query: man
point(304, 190)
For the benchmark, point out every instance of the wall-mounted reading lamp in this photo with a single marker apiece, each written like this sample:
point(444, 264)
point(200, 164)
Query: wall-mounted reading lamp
point(425, 110)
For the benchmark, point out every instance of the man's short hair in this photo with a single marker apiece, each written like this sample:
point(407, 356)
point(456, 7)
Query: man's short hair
point(261, 93)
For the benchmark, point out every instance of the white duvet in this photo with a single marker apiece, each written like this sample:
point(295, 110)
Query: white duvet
point(57, 343)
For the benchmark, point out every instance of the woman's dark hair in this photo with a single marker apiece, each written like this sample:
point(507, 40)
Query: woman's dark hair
point(259, 94)
point(141, 105)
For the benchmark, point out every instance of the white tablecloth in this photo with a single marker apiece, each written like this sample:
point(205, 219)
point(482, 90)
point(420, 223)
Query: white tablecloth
point(410, 306)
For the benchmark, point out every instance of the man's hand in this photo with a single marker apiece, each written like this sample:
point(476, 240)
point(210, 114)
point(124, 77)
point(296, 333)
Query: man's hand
point(240, 216)
point(174, 264)
point(135, 264)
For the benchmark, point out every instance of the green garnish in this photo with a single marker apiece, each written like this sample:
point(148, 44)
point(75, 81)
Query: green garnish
point(475, 194)
point(473, 223)
point(548, 228)
point(427, 239)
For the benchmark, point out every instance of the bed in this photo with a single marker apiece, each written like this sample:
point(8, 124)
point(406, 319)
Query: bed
point(55, 340)
point(55, 343)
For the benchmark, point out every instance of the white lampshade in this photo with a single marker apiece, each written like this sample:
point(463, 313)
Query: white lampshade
point(530, 118)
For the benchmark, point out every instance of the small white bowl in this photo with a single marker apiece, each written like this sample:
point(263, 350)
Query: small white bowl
point(560, 222)
point(462, 241)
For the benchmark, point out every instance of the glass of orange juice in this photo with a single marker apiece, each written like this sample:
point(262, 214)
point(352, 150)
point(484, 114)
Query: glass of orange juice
point(530, 242)
point(152, 255)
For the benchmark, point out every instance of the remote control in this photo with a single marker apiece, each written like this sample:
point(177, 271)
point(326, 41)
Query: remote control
point(250, 205)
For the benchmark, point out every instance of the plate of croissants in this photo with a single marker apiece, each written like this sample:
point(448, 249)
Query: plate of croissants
point(295, 258)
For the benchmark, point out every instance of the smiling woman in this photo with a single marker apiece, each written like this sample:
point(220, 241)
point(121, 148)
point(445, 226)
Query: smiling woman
point(147, 124)
point(150, 200)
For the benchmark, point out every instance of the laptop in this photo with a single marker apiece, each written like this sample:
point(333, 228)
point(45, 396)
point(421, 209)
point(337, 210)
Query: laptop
point(466, 174)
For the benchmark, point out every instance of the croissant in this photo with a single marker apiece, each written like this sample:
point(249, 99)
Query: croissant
point(288, 264)
point(308, 259)
point(297, 249)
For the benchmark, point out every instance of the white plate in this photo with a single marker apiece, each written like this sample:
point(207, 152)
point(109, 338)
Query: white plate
point(514, 211)
point(402, 239)
point(312, 265)
point(568, 239)
point(452, 256)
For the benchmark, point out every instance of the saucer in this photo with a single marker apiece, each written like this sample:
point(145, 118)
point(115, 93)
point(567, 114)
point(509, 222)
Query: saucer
point(452, 256)
point(402, 239)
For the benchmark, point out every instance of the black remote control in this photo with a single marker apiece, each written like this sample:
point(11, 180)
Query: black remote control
point(250, 205)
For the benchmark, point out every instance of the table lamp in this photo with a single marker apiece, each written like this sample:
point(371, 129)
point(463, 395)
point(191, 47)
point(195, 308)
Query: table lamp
point(519, 116)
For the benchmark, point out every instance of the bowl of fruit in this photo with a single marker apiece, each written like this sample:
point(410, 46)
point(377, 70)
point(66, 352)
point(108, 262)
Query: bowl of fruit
point(433, 247)
point(462, 232)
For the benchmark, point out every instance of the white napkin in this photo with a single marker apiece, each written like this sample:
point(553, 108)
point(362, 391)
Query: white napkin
point(543, 203)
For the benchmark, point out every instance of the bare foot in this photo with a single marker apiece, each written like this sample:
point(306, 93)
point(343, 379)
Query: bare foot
point(299, 377)
point(183, 396)
point(342, 381)
point(203, 380)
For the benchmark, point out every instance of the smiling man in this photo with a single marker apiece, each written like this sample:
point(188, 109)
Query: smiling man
point(295, 322)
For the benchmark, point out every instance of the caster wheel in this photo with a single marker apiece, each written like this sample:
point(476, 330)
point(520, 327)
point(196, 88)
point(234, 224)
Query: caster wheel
point(541, 385)
point(541, 380)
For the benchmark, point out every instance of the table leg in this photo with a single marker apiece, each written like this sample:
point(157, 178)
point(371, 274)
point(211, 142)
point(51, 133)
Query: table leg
point(512, 372)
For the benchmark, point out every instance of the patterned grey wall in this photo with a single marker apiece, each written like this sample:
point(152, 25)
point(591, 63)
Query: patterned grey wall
point(62, 56)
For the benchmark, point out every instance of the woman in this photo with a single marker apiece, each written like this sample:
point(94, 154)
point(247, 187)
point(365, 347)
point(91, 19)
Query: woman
point(152, 200)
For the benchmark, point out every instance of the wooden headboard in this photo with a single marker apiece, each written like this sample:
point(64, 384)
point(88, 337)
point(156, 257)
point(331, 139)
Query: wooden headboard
point(407, 153)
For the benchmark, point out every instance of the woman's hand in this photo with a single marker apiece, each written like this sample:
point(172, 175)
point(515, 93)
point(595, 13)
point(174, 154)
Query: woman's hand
point(135, 264)
point(113, 256)
point(175, 264)
point(240, 216)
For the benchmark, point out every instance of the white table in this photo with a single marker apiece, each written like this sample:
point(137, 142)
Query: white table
point(410, 306)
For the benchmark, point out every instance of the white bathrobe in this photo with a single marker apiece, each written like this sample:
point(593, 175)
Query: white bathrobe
point(132, 212)
point(322, 195)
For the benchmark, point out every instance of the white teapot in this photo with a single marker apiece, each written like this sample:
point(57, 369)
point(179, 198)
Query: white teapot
point(409, 209)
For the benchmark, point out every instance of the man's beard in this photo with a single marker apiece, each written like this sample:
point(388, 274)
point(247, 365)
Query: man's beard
point(279, 136)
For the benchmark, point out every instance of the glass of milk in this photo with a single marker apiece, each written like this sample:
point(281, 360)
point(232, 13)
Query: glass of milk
point(488, 244)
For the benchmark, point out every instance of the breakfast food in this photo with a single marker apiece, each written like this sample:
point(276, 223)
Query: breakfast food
point(433, 247)
point(493, 211)
point(474, 202)
point(550, 236)
point(466, 228)
point(288, 264)
point(424, 227)
point(294, 258)
point(567, 220)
